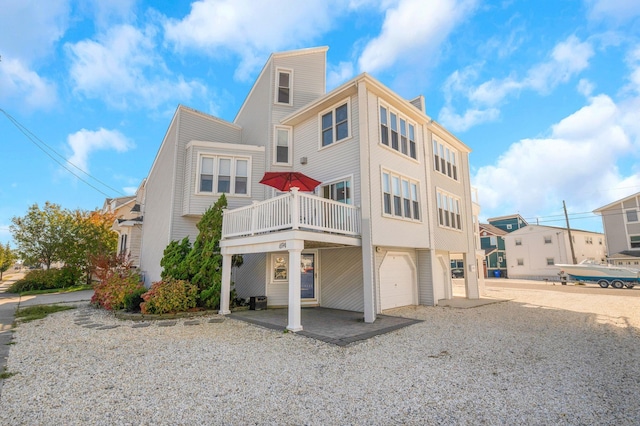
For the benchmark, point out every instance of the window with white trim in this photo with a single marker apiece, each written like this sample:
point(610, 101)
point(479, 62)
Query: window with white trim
point(588, 240)
point(282, 145)
point(449, 211)
point(400, 196)
point(518, 241)
point(632, 215)
point(634, 241)
point(229, 175)
point(550, 261)
point(520, 262)
point(335, 125)
point(338, 191)
point(283, 82)
point(397, 132)
point(445, 159)
point(547, 239)
point(280, 267)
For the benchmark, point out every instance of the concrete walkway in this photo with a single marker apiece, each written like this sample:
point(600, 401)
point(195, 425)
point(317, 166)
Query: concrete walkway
point(9, 304)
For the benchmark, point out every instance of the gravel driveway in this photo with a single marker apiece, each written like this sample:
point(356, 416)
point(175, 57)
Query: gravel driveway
point(542, 358)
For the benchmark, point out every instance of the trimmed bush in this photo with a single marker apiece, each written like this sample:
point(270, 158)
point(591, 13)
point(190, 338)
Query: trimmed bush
point(133, 300)
point(114, 288)
point(46, 279)
point(169, 296)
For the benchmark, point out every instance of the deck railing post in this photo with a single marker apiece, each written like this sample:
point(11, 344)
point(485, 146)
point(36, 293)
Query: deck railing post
point(254, 217)
point(295, 208)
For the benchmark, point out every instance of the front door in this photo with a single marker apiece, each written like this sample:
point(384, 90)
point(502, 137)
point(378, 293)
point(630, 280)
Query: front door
point(307, 276)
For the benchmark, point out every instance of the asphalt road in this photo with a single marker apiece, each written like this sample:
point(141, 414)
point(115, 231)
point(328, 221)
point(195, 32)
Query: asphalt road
point(590, 288)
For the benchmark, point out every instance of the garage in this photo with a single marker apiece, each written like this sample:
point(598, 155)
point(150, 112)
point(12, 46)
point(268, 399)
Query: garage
point(397, 281)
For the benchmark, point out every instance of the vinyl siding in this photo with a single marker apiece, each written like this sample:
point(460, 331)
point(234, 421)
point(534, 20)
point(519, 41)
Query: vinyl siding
point(157, 213)
point(425, 278)
point(249, 279)
point(391, 231)
point(341, 279)
point(135, 237)
point(615, 229)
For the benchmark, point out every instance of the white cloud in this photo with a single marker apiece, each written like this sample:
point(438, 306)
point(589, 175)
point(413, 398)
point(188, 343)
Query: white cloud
point(573, 163)
point(19, 83)
point(84, 142)
point(251, 29)
point(130, 190)
point(31, 27)
point(616, 10)
point(413, 27)
point(337, 75)
point(118, 67)
point(567, 59)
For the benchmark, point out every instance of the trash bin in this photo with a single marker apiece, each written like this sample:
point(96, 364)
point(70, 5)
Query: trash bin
point(257, 303)
point(496, 273)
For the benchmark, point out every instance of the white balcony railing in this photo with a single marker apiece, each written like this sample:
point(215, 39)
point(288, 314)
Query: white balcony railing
point(293, 210)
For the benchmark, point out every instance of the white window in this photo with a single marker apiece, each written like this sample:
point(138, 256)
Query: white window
point(397, 132)
point(509, 226)
point(547, 239)
point(229, 175)
point(520, 262)
point(280, 267)
point(449, 212)
point(632, 215)
point(283, 82)
point(445, 159)
point(550, 261)
point(400, 196)
point(282, 146)
point(338, 191)
point(518, 241)
point(493, 241)
point(335, 125)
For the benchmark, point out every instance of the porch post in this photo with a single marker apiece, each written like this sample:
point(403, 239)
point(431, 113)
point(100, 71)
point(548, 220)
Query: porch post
point(294, 290)
point(226, 285)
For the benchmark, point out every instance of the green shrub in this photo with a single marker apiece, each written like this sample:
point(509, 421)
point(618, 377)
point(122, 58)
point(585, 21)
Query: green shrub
point(116, 285)
point(169, 296)
point(133, 300)
point(210, 296)
point(46, 279)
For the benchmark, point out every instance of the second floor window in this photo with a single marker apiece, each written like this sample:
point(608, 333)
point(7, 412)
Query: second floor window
point(634, 241)
point(227, 175)
point(632, 215)
point(338, 191)
point(397, 133)
point(518, 241)
point(400, 196)
point(335, 125)
point(547, 239)
point(449, 212)
point(282, 148)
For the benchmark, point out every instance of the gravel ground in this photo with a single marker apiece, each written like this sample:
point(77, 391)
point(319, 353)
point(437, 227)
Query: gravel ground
point(541, 358)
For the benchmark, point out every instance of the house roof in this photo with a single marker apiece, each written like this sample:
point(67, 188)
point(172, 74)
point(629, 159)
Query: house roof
point(626, 254)
point(612, 204)
point(559, 228)
point(492, 229)
point(510, 216)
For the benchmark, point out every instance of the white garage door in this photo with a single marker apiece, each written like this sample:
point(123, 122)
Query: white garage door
point(397, 281)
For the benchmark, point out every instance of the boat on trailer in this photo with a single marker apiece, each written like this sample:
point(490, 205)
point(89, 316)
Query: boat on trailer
point(604, 275)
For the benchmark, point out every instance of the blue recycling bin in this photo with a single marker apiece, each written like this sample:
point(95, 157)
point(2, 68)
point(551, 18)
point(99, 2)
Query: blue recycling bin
point(496, 273)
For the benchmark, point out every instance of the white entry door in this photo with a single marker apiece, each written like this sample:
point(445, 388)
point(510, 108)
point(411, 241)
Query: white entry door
point(397, 281)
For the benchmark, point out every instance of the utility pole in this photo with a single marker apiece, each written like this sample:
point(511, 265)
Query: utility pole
point(566, 216)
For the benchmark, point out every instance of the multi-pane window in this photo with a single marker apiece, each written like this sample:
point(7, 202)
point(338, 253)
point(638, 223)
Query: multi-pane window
point(632, 215)
point(283, 145)
point(280, 264)
point(588, 240)
point(634, 240)
point(547, 239)
point(335, 125)
point(445, 159)
point(550, 261)
point(283, 95)
point(338, 191)
point(400, 196)
point(227, 175)
point(449, 212)
point(397, 132)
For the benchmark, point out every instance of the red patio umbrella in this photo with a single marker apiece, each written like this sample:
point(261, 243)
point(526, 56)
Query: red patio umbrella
point(284, 181)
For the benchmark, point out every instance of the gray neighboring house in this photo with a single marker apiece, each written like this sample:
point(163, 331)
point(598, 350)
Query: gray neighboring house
point(621, 224)
point(393, 207)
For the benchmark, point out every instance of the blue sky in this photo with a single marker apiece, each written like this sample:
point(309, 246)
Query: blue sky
point(545, 93)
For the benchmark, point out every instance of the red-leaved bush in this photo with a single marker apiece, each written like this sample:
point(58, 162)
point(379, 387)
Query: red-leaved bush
point(114, 287)
point(169, 296)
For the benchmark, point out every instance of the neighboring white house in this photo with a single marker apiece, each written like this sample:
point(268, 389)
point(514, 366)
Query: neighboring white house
point(533, 251)
point(394, 205)
point(621, 223)
point(128, 223)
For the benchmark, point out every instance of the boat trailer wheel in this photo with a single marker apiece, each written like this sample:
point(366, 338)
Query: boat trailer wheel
point(617, 284)
point(603, 283)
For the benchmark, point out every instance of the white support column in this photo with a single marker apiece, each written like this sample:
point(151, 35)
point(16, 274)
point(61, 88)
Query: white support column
point(226, 285)
point(294, 290)
point(471, 276)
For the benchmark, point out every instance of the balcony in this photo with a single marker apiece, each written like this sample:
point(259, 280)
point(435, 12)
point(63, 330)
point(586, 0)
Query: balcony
point(292, 211)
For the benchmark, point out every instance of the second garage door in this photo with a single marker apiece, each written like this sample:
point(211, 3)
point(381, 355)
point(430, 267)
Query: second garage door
point(397, 281)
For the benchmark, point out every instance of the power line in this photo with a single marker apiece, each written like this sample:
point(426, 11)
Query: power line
point(38, 143)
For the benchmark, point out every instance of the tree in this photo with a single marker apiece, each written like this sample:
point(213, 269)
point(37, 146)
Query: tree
point(41, 234)
point(174, 258)
point(90, 238)
point(7, 257)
